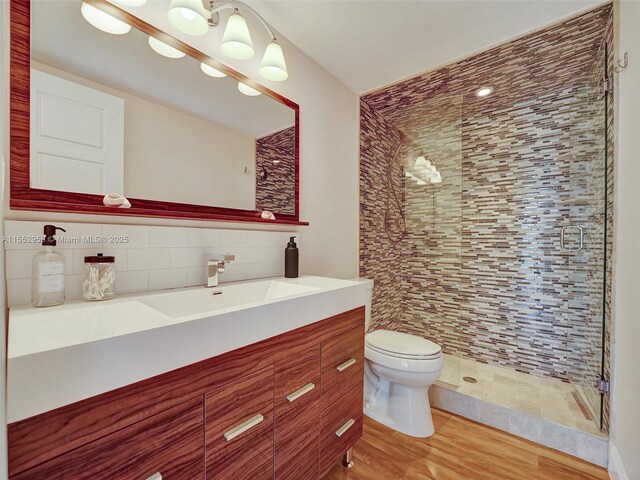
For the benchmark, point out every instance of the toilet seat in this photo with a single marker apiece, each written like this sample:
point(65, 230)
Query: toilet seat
point(402, 345)
point(401, 351)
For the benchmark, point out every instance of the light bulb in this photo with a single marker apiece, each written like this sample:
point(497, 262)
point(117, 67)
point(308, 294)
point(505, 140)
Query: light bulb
point(236, 41)
point(212, 72)
point(164, 49)
point(131, 3)
point(247, 90)
point(103, 21)
point(188, 16)
point(273, 66)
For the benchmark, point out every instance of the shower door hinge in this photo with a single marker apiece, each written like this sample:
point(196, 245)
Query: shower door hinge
point(603, 386)
point(606, 86)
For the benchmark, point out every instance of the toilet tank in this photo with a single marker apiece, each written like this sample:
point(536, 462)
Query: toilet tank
point(368, 298)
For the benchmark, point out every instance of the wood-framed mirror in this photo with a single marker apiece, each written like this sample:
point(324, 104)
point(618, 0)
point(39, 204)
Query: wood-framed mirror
point(93, 113)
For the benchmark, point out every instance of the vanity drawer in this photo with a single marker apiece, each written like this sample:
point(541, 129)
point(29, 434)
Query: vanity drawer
point(168, 444)
point(239, 428)
point(342, 365)
point(340, 428)
point(298, 416)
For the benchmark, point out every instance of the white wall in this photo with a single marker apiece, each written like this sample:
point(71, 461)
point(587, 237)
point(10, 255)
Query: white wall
point(328, 156)
point(188, 159)
point(626, 381)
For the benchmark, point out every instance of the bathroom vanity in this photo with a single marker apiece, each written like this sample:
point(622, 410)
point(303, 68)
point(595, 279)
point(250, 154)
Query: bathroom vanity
point(287, 406)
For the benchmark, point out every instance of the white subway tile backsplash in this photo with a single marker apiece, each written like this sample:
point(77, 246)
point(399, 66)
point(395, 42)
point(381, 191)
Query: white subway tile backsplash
point(243, 255)
point(271, 254)
point(167, 278)
point(125, 236)
point(147, 258)
point(132, 281)
point(233, 273)
point(78, 235)
point(73, 286)
point(269, 239)
point(18, 263)
point(196, 276)
point(22, 235)
point(19, 291)
point(168, 237)
point(202, 237)
point(187, 257)
point(233, 238)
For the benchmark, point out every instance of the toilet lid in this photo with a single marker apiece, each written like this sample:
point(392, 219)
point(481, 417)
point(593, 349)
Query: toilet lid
point(403, 345)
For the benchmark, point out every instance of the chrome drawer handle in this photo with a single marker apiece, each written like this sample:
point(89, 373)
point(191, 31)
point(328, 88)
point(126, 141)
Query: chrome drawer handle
point(155, 476)
point(347, 364)
point(292, 397)
point(345, 427)
point(243, 427)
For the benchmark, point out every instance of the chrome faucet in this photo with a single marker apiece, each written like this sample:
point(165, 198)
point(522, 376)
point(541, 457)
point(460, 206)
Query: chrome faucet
point(216, 263)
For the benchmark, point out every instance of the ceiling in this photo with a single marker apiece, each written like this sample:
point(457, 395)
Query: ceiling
point(368, 44)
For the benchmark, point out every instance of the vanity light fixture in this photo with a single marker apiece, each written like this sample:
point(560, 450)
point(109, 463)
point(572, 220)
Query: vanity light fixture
point(484, 91)
point(103, 21)
point(247, 90)
point(192, 18)
point(212, 72)
point(164, 49)
point(236, 40)
point(188, 16)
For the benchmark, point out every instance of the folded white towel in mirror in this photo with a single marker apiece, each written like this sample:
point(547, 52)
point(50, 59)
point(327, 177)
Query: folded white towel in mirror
point(116, 200)
point(267, 215)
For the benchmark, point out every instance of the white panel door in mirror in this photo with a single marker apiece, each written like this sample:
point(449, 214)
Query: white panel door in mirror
point(77, 137)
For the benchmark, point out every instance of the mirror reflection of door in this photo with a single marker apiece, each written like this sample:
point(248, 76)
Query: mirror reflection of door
point(75, 129)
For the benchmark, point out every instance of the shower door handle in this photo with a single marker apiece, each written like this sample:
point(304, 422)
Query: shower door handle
point(563, 235)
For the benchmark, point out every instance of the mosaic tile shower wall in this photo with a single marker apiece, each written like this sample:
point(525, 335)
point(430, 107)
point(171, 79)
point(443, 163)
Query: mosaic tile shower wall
point(479, 269)
point(275, 172)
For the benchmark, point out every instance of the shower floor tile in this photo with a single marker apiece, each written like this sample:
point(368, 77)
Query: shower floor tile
point(547, 398)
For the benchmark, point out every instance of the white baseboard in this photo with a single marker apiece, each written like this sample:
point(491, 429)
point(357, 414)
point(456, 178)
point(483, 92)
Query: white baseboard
point(616, 468)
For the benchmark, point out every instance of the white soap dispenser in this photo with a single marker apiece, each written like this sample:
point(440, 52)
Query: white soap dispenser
point(47, 288)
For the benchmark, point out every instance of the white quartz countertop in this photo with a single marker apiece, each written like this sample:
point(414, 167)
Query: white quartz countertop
point(60, 355)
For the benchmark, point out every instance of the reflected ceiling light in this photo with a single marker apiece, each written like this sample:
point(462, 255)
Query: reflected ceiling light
point(131, 3)
point(273, 66)
point(276, 162)
point(247, 90)
point(164, 49)
point(188, 16)
point(103, 21)
point(236, 40)
point(484, 91)
point(212, 72)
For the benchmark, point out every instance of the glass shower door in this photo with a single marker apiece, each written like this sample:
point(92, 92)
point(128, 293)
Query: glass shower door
point(583, 238)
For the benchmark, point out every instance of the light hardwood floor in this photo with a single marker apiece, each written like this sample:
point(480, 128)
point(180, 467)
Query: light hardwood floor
point(459, 450)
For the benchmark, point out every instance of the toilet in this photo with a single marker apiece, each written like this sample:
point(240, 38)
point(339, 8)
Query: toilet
point(399, 369)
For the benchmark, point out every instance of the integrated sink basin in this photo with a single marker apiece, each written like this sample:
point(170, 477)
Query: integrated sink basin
point(196, 301)
point(60, 355)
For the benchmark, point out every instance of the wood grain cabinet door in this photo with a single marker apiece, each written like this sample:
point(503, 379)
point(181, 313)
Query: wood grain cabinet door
point(239, 428)
point(342, 365)
point(166, 446)
point(341, 427)
point(297, 416)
